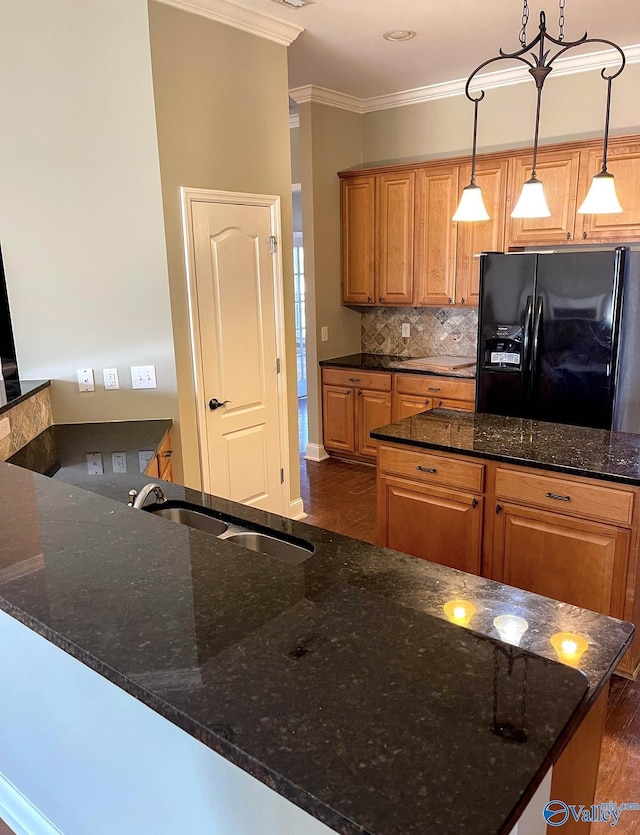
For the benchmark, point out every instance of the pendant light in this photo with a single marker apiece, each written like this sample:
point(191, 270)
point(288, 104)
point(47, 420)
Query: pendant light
point(602, 198)
point(471, 206)
point(536, 54)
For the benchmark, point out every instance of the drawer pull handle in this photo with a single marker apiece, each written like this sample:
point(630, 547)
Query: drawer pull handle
point(354, 379)
point(431, 388)
point(557, 497)
point(426, 469)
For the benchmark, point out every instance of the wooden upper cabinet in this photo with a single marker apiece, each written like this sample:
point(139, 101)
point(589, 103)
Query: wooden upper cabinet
point(558, 170)
point(623, 161)
point(484, 236)
point(435, 252)
point(358, 240)
point(394, 225)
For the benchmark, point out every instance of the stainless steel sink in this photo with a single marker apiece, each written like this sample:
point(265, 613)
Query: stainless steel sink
point(191, 518)
point(271, 546)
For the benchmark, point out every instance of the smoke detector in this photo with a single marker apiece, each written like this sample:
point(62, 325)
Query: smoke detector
point(296, 4)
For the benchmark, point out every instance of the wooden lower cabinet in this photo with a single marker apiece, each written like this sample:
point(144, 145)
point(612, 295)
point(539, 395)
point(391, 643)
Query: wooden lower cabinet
point(569, 559)
point(161, 464)
point(348, 417)
point(439, 525)
point(570, 538)
point(338, 418)
point(406, 405)
point(373, 409)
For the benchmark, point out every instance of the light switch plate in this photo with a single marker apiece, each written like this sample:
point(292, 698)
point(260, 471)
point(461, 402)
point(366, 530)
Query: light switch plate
point(94, 463)
point(143, 376)
point(85, 379)
point(406, 329)
point(5, 428)
point(324, 334)
point(144, 456)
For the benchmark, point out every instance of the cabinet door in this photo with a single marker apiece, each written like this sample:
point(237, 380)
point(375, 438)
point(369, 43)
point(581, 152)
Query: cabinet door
point(443, 526)
point(373, 409)
point(394, 255)
point(435, 256)
point(484, 236)
point(577, 562)
point(338, 418)
point(624, 163)
point(558, 171)
point(405, 405)
point(358, 240)
point(460, 405)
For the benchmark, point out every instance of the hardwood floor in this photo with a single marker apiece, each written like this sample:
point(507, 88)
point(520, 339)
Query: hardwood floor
point(340, 496)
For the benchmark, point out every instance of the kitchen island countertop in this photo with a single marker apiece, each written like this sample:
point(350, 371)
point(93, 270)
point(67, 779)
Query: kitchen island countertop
point(338, 681)
point(575, 450)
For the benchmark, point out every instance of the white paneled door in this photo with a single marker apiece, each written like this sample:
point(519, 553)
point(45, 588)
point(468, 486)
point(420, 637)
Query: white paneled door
point(235, 313)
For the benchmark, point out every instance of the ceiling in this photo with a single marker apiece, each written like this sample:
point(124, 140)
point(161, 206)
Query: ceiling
point(342, 48)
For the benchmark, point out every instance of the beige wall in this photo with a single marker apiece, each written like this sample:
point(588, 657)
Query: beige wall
point(80, 204)
point(330, 140)
point(572, 108)
point(222, 113)
point(294, 135)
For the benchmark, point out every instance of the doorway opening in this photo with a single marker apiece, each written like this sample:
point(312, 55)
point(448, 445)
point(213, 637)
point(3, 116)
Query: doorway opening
point(300, 318)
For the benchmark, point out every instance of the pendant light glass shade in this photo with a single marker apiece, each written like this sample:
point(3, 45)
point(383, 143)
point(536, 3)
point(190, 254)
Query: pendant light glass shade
point(471, 206)
point(602, 198)
point(532, 202)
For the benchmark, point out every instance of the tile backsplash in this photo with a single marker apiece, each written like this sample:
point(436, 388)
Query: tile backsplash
point(435, 331)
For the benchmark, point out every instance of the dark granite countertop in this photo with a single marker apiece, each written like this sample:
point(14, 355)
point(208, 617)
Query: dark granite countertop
point(576, 450)
point(13, 392)
point(68, 451)
point(338, 681)
point(389, 362)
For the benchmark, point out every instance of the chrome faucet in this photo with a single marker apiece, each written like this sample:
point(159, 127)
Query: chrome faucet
point(138, 499)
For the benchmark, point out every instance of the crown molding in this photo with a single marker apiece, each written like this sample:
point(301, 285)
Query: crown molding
point(322, 95)
point(487, 81)
point(294, 120)
point(239, 17)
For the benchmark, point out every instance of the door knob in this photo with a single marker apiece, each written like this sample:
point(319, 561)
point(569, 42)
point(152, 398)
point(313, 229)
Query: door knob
point(214, 403)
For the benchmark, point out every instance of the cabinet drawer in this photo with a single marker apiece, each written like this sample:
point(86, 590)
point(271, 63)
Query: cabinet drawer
point(435, 387)
point(461, 405)
point(591, 501)
point(436, 469)
point(372, 380)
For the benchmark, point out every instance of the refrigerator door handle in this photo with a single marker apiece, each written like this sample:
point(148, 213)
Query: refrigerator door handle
point(527, 334)
point(536, 340)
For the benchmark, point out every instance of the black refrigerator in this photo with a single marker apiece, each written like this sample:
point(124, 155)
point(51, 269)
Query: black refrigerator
point(559, 337)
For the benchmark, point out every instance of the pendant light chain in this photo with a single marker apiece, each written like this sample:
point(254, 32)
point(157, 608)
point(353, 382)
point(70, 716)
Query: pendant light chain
point(525, 20)
point(561, 20)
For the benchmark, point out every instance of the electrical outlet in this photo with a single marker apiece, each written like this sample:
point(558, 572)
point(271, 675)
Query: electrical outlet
point(94, 463)
point(324, 334)
point(144, 456)
point(85, 379)
point(111, 381)
point(406, 329)
point(119, 462)
point(143, 376)
point(5, 428)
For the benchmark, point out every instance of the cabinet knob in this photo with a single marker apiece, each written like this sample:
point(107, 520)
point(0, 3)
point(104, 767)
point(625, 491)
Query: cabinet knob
point(584, 235)
point(368, 298)
point(461, 301)
point(474, 503)
point(359, 392)
point(380, 299)
point(450, 301)
point(568, 236)
point(498, 509)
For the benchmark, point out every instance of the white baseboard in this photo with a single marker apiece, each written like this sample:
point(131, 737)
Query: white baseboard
point(315, 452)
point(20, 814)
point(296, 510)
